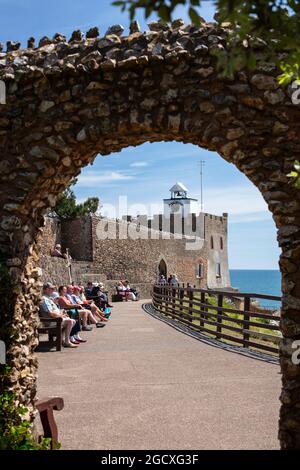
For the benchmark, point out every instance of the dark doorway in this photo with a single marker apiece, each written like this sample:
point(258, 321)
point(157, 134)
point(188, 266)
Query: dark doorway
point(162, 268)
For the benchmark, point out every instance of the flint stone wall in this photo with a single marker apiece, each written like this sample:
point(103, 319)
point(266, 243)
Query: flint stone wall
point(51, 235)
point(66, 102)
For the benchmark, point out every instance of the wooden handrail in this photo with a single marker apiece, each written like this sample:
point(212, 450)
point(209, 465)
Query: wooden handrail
point(229, 294)
point(248, 330)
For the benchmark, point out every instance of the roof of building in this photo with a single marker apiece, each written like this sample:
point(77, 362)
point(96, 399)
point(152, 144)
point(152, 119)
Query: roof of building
point(178, 187)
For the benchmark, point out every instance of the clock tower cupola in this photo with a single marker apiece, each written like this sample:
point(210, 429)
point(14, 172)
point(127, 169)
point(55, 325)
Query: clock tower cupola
point(179, 202)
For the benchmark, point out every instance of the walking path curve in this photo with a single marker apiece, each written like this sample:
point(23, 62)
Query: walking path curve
point(140, 384)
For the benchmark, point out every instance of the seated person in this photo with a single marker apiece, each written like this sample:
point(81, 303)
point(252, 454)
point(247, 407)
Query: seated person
point(122, 290)
point(88, 304)
point(81, 289)
point(75, 337)
point(104, 294)
point(101, 298)
point(56, 252)
point(66, 302)
point(129, 289)
point(48, 308)
point(88, 289)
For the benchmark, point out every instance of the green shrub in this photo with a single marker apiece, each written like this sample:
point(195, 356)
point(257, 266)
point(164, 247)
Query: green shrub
point(15, 431)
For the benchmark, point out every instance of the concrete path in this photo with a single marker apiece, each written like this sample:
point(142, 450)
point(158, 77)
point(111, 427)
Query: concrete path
point(140, 384)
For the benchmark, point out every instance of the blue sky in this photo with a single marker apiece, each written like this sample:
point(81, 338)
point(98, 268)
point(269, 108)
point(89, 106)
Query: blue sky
point(145, 174)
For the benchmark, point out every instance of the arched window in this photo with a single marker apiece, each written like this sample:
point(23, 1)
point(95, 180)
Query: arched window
point(162, 268)
point(221, 243)
point(212, 242)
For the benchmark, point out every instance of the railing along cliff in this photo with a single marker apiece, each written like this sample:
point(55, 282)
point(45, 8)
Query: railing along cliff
point(214, 313)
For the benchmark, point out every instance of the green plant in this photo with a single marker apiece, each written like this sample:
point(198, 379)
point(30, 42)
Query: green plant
point(67, 208)
point(274, 23)
point(15, 430)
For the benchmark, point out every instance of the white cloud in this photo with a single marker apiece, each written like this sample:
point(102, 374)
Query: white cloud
point(100, 178)
point(139, 164)
point(236, 200)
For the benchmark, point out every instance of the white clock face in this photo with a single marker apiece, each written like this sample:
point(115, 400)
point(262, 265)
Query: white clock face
point(174, 207)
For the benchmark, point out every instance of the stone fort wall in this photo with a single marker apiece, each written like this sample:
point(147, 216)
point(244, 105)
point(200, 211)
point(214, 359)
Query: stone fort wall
point(97, 258)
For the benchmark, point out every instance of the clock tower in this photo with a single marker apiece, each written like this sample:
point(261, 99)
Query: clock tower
point(179, 202)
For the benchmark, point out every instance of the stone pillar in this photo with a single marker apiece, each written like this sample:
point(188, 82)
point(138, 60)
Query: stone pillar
point(289, 424)
point(20, 292)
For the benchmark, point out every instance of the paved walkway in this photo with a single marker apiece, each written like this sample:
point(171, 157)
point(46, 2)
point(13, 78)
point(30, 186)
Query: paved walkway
point(140, 384)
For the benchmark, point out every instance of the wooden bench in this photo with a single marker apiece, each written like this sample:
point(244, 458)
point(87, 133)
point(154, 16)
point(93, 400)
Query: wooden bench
point(45, 408)
point(52, 327)
point(120, 295)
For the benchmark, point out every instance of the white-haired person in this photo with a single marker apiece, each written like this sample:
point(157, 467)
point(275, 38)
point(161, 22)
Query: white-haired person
point(75, 337)
point(49, 309)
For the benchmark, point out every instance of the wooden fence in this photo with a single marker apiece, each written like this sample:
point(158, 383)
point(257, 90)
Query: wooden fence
point(215, 314)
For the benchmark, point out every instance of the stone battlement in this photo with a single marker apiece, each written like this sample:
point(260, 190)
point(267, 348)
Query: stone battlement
point(192, 225)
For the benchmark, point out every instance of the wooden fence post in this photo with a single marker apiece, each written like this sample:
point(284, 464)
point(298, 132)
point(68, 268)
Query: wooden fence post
point(160, 298)
point(174, 292)
point(191, 298)
point(202, 309)
point(247, 304)
point(155, 298)
point(181, 296)
point(219, 320)
point(164, 300)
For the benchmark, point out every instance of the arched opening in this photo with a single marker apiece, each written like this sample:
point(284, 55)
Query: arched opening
point(101, 105)
point(162, 268)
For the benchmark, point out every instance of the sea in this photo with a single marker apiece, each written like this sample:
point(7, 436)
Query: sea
point(258, 281)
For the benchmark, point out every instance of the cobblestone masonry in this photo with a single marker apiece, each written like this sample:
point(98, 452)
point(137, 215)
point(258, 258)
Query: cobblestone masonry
point(67, 101)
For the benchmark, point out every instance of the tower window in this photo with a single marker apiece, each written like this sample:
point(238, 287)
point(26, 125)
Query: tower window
point(200, 270)
point(221, 243)
point(218, 270)
point(212, 242)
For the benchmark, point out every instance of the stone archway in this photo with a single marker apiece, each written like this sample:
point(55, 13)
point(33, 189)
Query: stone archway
point(68, 101)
